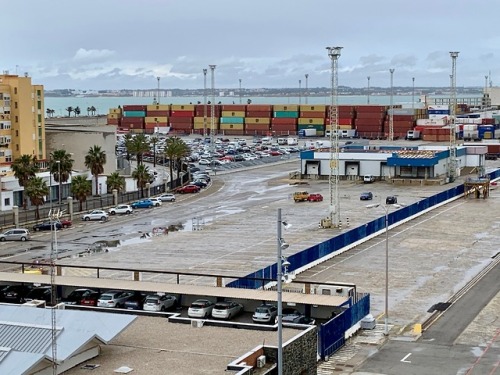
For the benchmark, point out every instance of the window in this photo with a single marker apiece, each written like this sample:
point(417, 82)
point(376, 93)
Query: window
point(15, 90)
point(39, 104)
point(39, 118)
point(15, 105)
point(17, 147)
point(17, 133)
point(39, 92)
point(17, 119)
point(6, 202)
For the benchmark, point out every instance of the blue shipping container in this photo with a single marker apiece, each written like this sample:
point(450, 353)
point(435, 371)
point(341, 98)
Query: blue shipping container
point(134, 114)
point(232, 120)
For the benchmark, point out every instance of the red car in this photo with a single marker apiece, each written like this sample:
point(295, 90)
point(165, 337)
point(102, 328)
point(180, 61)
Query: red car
point(188, 189)
point(315, 198)
point(90, 299)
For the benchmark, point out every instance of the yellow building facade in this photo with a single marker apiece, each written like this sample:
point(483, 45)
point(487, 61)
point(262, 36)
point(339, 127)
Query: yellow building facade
point(22, 120)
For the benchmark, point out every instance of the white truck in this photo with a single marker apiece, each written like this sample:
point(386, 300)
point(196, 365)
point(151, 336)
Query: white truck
point(309, 132)
point(292, 141)
point(413, 134)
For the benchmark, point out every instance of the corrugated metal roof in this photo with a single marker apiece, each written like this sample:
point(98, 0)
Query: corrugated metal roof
point(25, 338)
point(25, 332)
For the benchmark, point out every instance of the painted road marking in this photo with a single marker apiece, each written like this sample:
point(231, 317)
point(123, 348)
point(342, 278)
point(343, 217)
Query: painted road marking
point(404, 359)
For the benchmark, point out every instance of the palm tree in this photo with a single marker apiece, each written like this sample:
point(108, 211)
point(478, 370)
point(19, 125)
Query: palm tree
point(77, 111)
point(142, 176)
point(95, 160)
point(36, 190)
point(175, 150)
point(154, 141)
point(25, 167)
point(69, 110)
point(115, 181)
point(81, 188)
point(128, 144)
point(60, 166)
point(138, 145)
point(49, 112)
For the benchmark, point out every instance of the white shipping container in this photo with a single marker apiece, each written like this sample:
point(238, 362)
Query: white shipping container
point(433, 121)
point(442, 107)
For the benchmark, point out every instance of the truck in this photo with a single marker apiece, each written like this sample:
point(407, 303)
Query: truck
point(307, 132)
point(413, 134)
point(300, 196)
point(292, 141)
point(344, 133)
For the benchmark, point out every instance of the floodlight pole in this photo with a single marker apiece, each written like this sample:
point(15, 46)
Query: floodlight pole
point(280, 295)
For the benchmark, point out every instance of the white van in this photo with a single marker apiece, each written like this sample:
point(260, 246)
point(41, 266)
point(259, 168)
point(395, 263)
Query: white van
point(368, 178)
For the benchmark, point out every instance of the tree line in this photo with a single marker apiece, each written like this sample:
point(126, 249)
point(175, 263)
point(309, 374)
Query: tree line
point(60, 165)
point(91, 111)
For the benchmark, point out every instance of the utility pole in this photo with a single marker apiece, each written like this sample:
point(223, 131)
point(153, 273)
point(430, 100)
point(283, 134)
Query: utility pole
point(212, 117)
point(204, 102)
point(300, 91)
point(158, 90)
point(368, 91)
point(307, 88)
point(391, 116)
point(452, 165)
point(240, 90)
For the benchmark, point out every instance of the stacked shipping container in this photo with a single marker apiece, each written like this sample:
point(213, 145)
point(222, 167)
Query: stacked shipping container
point(258, 119)
point(312, 117)
point(284, 121)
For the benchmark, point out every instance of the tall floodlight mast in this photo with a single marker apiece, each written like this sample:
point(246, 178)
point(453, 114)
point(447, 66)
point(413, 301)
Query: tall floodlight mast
point(452, 165)
point(334, 54)
point(391, 115)
point(212, 116)
point(204, 102)
point(307, 88)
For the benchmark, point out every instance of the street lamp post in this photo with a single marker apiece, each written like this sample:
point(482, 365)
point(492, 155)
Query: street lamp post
point(368, 91)
point(413, 96)
point(281, 245)
point(205, 102)
point(239, 92)
point(300, 90)
point(60, 180)
point(158, 90)
point(391, 116)
point(307, 88)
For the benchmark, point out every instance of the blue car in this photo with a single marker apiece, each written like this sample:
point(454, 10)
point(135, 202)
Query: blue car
point(145, 203)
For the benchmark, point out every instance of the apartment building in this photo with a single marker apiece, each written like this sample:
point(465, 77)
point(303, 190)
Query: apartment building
point(22, 124)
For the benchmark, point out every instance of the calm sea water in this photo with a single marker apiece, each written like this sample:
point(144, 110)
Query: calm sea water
point(102, 104)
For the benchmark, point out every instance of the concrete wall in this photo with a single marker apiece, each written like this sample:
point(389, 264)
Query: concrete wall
point(78, 140)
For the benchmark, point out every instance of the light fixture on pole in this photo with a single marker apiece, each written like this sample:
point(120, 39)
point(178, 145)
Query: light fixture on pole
point(158, 90)
point(212, 118)
point(240, 90)
point(368, 91)
point(391, 115)
point(281, 262)
point(413, 96)
point(386, 310)
point(204, 102)
point(334, 54)
point(300, 91)
point(307, 88)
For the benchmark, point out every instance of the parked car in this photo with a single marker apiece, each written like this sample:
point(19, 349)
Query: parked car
point(90, 299)
point(135, 302)
point(200, 183)
point(366, 196)
point(204, 162)
point(95, 215)
point(121, 209)
point(201, 308)
point(42, 293)
point(298, 319)
point(201, 176)
point(156, 302)
point(391, 200)
point(76, 296)
point(226, 310)
point(113, 298)
point(18, 234)
point(368, 178)
point(265, 314)
point(315, 198)
point(157, 201)
point(144, 203)
point(14, 293)
point(46, 225)
point(167, 197)
point(188, 189)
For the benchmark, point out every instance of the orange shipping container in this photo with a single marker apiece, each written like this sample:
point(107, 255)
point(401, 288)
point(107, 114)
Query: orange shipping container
point(233, 113)
point(257, 120)
point(182, 107)
point(259, 108)
point(312, 108)
point(312, 114)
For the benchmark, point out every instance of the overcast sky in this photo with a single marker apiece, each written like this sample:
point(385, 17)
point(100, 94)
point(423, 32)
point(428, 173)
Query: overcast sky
point(115, 44)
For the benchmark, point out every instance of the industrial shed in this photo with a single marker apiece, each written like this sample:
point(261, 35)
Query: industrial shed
point(388, 162)
point(26, 337)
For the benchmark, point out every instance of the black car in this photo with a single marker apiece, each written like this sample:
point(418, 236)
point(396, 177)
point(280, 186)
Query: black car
point(135, 302)
point(199, 183)
point(46, 225)
point(43, 293)
point(75, 297)
point(391, 200)
point(14, 293)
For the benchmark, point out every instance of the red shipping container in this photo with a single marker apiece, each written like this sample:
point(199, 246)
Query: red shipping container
point(181, 126)
point(345, 121)
point(362, 122)
point(283, 127)
point(132, 120)
point(234, 107)
point(113, 121)
point(260, 114)
point(313, 114)
point(233, 132)
point(259, 108)
point(134, 107)
point(181, 113)
point(157, 113)
point(370, 115)
point(200, 110)
point(265, 127)
point(371, 108)
point(285, 121)
point(180, 120)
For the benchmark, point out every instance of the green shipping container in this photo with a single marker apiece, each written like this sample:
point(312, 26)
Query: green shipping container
point(232, 120)
point(319, 128)
point(286, 114)
point(134, 114)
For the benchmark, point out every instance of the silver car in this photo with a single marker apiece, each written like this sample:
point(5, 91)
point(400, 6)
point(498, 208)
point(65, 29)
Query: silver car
point(113, 298)
point(167, 197)
point(159, 303)
point(226, 310)
point(96, 215)
point(265, 314)
point(18, 234)
point(201, 308)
